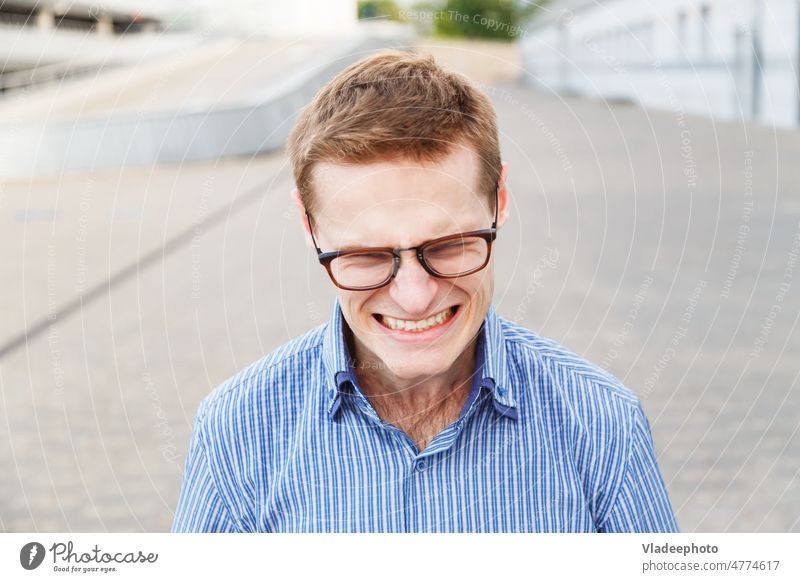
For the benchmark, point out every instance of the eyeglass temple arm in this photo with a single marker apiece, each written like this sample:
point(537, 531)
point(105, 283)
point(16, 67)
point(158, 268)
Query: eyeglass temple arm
point(311, 230)
point(496, 205)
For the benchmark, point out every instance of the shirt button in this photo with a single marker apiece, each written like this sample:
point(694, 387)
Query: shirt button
point(501, 391)
point(421, 465)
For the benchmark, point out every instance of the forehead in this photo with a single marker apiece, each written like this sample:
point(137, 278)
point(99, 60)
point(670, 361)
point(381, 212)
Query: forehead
point(399, 203)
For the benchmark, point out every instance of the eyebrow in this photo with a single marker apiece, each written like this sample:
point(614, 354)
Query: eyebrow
point(353, 247)
point(358, 247)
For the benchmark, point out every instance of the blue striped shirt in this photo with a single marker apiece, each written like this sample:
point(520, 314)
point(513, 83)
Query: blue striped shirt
point(546, 442)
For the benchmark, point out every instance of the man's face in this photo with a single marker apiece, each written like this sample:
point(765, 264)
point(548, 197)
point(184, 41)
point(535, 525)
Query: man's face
point(400, 204)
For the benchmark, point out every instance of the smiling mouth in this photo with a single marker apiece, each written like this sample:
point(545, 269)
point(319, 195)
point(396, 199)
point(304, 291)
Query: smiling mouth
point(417, 326)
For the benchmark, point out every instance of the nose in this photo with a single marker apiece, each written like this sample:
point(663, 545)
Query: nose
point(413, 288)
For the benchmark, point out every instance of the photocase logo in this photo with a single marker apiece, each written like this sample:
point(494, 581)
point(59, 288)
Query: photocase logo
point(31, 555)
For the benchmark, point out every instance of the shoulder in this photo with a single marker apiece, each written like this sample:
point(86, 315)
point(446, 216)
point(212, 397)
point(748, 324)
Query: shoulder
point(583, 384)
point(269, 381)
point(596, 418)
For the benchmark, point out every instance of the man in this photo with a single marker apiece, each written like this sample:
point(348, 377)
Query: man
point(416, 408)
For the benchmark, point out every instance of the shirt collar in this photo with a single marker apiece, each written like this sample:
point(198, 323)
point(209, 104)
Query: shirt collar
point(338, 365)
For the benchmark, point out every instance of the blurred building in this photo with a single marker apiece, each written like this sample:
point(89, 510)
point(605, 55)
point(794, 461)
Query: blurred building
point(733, 59)
point(48, 40)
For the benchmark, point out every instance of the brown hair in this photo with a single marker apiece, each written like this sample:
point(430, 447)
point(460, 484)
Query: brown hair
point(394, 105)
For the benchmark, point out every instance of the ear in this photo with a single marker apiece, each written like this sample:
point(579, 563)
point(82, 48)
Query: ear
point(303, 218)
point(502, 196)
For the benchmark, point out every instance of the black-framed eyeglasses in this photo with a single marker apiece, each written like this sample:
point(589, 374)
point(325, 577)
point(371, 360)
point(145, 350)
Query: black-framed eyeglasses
point(447, 257)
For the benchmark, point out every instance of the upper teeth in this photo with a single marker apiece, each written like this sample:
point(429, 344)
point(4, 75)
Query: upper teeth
point(420, 325)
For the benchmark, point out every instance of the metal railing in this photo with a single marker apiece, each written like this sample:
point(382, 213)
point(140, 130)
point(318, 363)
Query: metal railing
point(10, 82)
point(17, 20)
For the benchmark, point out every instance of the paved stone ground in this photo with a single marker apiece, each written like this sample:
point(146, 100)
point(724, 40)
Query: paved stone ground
point(150, 286)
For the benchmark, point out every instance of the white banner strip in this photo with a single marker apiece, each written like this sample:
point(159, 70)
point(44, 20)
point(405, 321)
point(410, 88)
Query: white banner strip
point(34, 556)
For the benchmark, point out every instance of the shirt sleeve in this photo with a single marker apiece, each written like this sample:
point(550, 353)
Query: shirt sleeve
point(642, 503)
point(200, 507)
